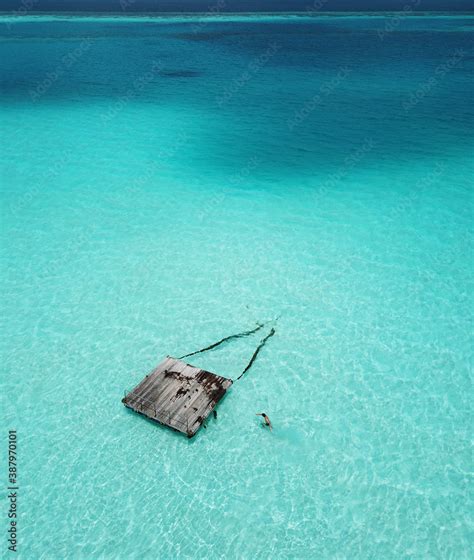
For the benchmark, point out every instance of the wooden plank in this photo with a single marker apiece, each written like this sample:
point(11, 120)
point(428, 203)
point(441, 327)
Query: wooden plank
point(178, 395)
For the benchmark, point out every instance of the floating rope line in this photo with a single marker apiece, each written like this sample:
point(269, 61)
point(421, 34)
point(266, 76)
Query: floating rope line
point(255, 354)
point(227, 338)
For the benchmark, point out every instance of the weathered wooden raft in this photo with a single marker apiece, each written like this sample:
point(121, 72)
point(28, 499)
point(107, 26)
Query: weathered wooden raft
point(178, 395)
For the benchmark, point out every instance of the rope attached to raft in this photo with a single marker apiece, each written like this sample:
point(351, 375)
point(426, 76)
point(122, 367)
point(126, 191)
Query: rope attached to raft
point(227, 338)
point(255, 354)
point(239, 335)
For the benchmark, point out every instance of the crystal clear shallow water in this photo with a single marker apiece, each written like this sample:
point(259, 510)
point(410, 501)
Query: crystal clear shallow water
point(150, 210)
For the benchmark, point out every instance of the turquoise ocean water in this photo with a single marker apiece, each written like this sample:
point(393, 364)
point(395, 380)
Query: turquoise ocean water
point(170, 181)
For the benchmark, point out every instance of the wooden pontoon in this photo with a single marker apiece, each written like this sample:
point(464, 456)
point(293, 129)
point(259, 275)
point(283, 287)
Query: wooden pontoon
point(177, 395)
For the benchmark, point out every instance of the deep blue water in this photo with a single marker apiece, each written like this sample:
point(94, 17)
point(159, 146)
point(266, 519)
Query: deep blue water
point(236, 5)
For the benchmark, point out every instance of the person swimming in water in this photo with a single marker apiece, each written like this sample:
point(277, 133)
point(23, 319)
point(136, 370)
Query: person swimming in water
point(267, 420)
